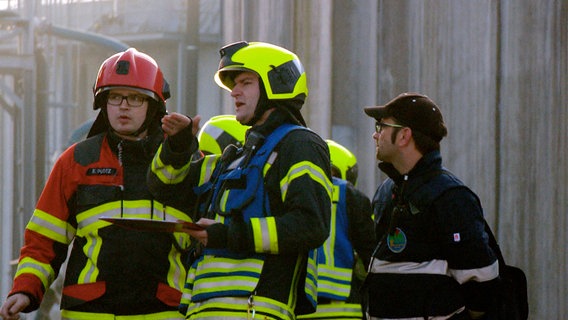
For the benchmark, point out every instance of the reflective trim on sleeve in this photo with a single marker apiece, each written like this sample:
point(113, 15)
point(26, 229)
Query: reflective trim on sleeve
point(43, 271)
point(487, 273)
point(429, 267)
point(265, 235)
point(167, 173)
point(305, 167)
point(51, 227)
point(207, 168)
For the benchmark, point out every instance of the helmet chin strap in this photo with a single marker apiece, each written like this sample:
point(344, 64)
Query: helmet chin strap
point(261, 106)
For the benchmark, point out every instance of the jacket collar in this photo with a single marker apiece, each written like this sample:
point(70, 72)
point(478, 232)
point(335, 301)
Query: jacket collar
point(430, 161)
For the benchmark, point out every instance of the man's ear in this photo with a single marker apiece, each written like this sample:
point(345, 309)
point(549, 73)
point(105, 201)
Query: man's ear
point(404, 136)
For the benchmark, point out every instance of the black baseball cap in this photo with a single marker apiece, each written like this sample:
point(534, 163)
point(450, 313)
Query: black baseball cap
point(413, 110)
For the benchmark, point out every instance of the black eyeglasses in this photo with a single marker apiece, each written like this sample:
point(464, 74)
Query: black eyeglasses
point(379, 126)
point(133, 100)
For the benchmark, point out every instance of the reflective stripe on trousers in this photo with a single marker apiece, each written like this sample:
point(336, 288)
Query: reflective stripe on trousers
point(77, 315)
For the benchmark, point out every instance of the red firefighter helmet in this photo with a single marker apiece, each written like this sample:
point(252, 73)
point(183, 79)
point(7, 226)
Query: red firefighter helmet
point(135, 70)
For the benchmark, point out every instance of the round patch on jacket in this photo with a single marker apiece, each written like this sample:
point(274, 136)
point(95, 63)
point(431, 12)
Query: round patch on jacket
point(396, 241)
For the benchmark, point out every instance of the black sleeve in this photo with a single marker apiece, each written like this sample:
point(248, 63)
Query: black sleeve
point(361, 226)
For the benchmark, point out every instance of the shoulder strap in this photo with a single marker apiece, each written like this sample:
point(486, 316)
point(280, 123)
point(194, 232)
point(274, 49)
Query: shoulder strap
point(495, 246)
point(274, 138)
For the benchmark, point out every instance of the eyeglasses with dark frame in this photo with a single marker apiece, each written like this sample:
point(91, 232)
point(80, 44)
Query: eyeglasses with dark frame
point(379, 126)
point(133, 100)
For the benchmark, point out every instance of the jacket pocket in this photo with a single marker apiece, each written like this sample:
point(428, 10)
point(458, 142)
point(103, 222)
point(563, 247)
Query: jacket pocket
point(168, 295)
point(76, 294)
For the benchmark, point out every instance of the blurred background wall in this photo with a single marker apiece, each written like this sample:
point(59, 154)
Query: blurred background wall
point(497, 68)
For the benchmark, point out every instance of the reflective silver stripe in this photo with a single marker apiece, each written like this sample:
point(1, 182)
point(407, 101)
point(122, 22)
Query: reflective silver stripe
point(43, 271)
point(89, 223)
point(217, 274)
point(78, 315)
point(214, 132)
point(342, 274)
point(265, 235)
point(90, 272)
point(301, 168)
point(480, 275)
point(241, 303)
point(334, 288)
point(167, 173)
point(51, 227)
point(336, 310)
point(207, 168)
point(429, 267)
point(311, 285)
point(142, 209)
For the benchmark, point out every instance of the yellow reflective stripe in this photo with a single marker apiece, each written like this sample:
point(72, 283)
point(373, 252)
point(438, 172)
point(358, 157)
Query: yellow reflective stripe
point(336, 310)
point(92, 250)
point(335, 281)
point(187, 288)
point(292, 295)
point(175, 276)
point(207, 168)
point(77, 315)
point(341, 274)
point(89, 220)
point(225, 274)
point(265, 235)
point(301, 168)
point(238, 308)
point(89, 223)
point(269, 163)
point(335, 193)
point(43, 271)
point(51, 227)
point(223, 200)
point(329, 243)
point(311, 286)
point(167, 173)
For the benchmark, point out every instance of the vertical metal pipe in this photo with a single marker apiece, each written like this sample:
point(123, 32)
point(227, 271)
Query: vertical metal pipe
point(7, 176)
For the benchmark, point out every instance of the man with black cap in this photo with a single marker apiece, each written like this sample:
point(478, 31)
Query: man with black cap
point(433, 260)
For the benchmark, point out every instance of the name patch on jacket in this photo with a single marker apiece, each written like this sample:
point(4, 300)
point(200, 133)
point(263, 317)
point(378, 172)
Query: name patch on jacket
point(101, 171)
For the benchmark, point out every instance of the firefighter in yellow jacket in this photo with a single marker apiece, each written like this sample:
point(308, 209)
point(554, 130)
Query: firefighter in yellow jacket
point(266, 206)
point(112, 273)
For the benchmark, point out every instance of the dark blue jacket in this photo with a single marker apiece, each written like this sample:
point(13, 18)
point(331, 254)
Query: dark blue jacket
point(433, 257)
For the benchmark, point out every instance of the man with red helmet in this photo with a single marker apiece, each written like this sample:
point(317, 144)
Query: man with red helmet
point(111, 271)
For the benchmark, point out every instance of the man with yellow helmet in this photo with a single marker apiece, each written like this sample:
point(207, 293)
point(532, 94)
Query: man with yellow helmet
point(265, 208)
point(344, 257)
